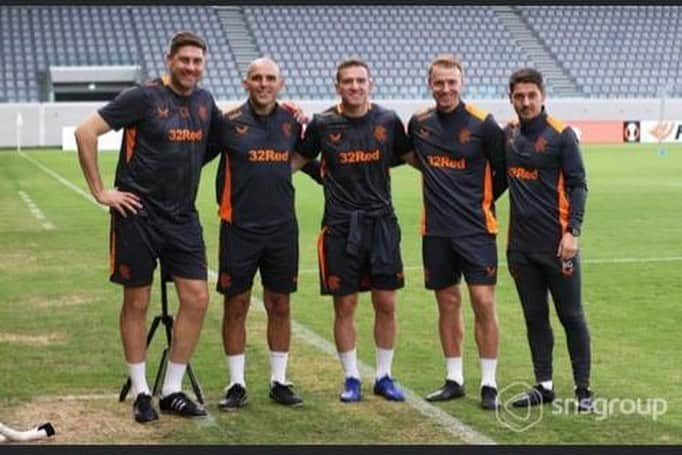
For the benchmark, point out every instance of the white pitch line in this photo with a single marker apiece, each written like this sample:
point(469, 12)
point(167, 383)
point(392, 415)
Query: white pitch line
point(35, 211)
point(62, 180)
point(84, 397)
point(451, 424)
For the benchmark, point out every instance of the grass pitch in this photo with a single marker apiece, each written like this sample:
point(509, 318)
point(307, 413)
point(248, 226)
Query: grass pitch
point(63, 359)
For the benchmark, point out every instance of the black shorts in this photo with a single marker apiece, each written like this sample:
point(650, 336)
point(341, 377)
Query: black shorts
point(242, 252)
point(138, 240)
point(447, 258)
point(343, 274)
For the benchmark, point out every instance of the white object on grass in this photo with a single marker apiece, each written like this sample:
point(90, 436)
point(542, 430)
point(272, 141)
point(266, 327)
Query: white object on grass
point(40, 432)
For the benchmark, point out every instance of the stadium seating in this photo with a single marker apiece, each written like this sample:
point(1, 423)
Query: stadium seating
point(614, 51)
point(610, 51)
point(397, 42)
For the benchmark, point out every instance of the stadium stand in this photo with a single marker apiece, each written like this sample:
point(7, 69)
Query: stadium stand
point(605, 51)
point(623, 51)
point(397, 42)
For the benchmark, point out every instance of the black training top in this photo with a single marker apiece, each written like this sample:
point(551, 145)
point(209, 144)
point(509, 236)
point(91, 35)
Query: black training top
point(461, 156)
point(357, 154)
point(547, 185)
point(164, 145)
point(253, 184)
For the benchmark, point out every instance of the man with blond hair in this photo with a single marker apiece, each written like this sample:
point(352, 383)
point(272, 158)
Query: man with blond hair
point(459, 149)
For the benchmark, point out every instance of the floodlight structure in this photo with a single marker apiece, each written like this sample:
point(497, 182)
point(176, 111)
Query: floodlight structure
point(166, 319)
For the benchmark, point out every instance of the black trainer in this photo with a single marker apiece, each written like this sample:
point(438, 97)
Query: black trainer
point(489, 398)
point(235, 397)
point(284, 394)
point(178, 403)
point(584, 399)
point(451, 389)
point(143, 411)
point(535, 396)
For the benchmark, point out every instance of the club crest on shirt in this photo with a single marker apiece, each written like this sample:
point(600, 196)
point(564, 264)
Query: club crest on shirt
point(380, 133)
point(203, 113)
point(241, 129)
point(540, 145)
point(464, 136)
point(286, 129)
point(423, 133)
point(335, 137)
point(162, 111)
point(184, 112)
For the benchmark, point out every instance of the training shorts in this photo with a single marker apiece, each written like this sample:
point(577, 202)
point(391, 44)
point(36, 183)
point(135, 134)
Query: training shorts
point(446, 259)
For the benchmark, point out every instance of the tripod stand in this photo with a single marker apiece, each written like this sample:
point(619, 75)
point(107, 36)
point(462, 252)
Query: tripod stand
point(167, 320)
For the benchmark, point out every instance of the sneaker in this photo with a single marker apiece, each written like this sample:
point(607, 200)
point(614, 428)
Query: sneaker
point(352, 390)
point(451, 389)
point(235, 397)
point(143, 411)
point(489, 398)
point(389, 389)
point(284, 394)
point(180, 404)
point(535, 396)
point(584, 400)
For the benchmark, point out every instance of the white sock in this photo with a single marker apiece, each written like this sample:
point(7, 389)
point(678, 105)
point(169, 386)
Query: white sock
point(384, 361)
point(349, 363)
point(455, 370)
point(173, 381)
point(235, 364)
point(138, 378)
point(488, 367)
point(547, 385)
point(278, 366)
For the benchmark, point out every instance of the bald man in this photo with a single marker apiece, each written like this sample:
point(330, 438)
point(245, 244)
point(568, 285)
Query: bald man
point(258, 229)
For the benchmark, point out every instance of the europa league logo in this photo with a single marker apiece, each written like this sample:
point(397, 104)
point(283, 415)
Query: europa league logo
point(631, 131)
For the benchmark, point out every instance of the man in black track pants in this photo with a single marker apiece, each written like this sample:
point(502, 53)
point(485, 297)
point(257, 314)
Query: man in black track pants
point(547, 191)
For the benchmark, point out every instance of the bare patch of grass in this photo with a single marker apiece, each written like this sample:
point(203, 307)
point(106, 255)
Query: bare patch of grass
point(32, 340)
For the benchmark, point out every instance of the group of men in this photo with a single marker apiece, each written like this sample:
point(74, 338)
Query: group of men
point(172, 128)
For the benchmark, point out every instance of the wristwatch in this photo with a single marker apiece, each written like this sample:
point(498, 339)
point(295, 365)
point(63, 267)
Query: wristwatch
point(574, 231)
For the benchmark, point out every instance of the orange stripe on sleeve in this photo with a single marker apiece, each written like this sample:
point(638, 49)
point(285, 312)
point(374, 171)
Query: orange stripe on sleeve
point(490, 221)
point(225, 211)
point(564, 205)
point(130, 135)
point(321, 256)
